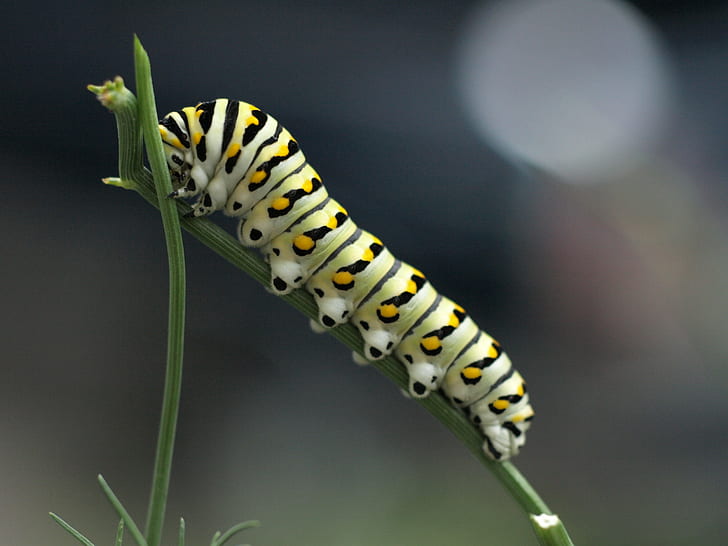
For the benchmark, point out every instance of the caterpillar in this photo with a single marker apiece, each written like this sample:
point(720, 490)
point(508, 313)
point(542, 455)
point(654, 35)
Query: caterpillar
point(233, 157)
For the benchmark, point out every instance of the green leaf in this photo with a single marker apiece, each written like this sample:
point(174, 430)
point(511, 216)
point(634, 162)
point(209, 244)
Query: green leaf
point(220, 539)
point(122, 513)
point(119, 182)
point(119, 533)
point(70, 530)
point(181, 534)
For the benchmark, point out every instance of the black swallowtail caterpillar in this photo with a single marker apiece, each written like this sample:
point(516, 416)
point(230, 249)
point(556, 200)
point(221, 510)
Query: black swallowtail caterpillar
point(241, 160)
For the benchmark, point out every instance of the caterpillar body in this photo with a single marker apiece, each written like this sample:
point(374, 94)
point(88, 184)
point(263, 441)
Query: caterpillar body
point(235, 158)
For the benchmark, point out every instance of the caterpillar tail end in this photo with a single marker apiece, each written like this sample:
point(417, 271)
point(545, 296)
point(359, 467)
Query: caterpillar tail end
point(505, 441)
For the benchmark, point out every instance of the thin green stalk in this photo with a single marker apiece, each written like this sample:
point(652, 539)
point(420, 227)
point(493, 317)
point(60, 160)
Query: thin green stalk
point(221, 538)
point(119, 533)
point(121, 511)
point(70, 530)
point(229, 248)
point(175, 337)
point(122, 102)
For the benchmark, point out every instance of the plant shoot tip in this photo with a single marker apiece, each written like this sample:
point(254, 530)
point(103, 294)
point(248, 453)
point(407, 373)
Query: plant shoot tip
point(119, 182)
point(111, 94)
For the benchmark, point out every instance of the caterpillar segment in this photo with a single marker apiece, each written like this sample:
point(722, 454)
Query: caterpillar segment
point(231, 156)
point(433, 343)
point(388, 312)
point(298, 252)
point(347, 277)
point(295, 196)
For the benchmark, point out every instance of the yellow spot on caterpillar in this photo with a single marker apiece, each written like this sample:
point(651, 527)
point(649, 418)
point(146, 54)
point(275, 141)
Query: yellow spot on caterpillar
point(388, 310)
point(454, 321)
point(377, 240)
point(418, 273)
point(283, 150)
point(492, 351)
point(251, 120)
point(281, 203)
point(258, 176)
point(367, 255)
point(411, 287)
point(233, 149)
point(472, 373)
point(520, 390)
point(342, 209)
point(343, 277)
point(170, 138)
point(172, 141)
point(430, 343)
point(303, 242)
point(198, 113)
point(333, 223)
point(196, 137)
point(518, 418)
point(307, 186)
point(501, 404)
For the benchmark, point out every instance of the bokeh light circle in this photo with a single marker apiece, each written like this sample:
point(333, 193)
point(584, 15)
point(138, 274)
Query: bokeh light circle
point(577, 88)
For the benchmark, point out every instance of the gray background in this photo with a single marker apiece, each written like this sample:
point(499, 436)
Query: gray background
point(611, 300)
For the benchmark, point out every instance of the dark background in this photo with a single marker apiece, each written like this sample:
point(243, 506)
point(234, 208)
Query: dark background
point(610, 298)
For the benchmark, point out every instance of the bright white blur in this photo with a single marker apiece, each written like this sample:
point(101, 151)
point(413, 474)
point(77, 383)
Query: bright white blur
point(576, 88)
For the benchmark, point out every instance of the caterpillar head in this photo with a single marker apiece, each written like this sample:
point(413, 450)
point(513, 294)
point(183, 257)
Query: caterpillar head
point(177, 151)
point(179, 169)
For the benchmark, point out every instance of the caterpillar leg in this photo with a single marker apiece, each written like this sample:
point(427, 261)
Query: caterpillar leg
point(316, 327)
point(187, 190)
point(195, 183)
point(358, 359)
point(211, 199)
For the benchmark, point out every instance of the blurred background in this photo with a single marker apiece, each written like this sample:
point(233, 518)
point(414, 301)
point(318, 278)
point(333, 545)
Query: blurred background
point(558, 167)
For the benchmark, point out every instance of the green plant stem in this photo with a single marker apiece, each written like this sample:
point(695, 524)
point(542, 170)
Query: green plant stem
point(249, 261)
point(549, 530)
point(175, 336)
